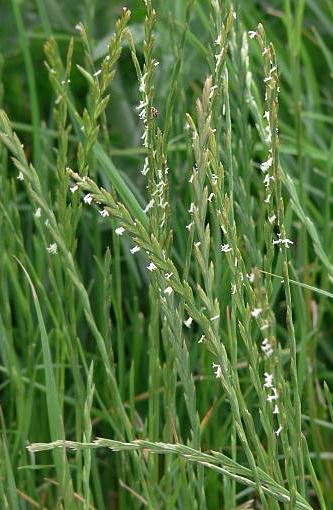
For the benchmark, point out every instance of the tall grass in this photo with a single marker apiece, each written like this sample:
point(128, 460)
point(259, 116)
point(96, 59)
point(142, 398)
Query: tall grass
point(166, 261)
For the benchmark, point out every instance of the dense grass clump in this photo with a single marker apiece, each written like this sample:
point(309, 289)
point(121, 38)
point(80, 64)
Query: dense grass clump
point(165, 255)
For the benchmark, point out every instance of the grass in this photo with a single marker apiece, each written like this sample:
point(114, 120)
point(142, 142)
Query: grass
point(165, 255)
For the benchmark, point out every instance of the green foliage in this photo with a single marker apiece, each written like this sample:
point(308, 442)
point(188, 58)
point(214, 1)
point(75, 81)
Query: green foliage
point(165, 255)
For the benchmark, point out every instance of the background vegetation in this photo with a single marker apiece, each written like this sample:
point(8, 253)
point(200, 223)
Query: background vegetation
point(165, 254)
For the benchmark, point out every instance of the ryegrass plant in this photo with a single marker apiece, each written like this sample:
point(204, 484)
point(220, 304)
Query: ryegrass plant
point(166, 261)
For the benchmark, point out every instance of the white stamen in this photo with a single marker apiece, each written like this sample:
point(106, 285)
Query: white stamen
point(266, 348)
point(119, 231)
point(250, 277)
point(52, 249)
point(142, 83)
point(225, 248)
point(268, 380)
point(87, 199)
point(218, 41)
point(145, 169)
point(266, 165)
point(191, 209)
point(141, 105)
point(218, 371)
point(188, 322)
point(278, 431)
point(267, 180)
point(286, 242)
point(274, 395)
point(73, 188)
